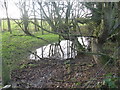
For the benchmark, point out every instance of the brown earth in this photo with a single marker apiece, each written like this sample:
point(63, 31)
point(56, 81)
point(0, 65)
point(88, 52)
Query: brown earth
point(52, 73)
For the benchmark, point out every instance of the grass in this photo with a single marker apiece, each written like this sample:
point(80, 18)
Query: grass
point(15, 49)
point(15, 26)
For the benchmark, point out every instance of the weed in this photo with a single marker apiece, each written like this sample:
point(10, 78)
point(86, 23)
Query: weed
point(110, 81)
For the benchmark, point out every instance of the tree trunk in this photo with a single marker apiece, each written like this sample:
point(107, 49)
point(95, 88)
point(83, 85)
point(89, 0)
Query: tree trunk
point(25, 20)
point(97, 44)
point(0, 25)
point(41, 20)
point(8, 20)
point(9, 25)
point(35, 20)
point(96, 48)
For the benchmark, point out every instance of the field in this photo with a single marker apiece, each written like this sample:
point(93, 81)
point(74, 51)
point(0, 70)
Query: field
point(15, 26)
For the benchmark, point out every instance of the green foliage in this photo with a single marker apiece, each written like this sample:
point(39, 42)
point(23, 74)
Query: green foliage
point(13, 25)
point(110, 81)
point(23, 66)
point(78, 83)
point(27, 65)
point(67, 62)
point(105, 58)
point(0, 86)
point(32, 65)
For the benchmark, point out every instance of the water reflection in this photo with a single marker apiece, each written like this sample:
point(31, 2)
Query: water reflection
point(85, 41)
point(63, 50)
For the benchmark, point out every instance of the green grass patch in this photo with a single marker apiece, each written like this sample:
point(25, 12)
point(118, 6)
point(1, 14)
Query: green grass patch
point(31, 26)
point(16, 49)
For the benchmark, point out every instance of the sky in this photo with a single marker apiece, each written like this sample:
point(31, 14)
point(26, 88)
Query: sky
point(14, 12)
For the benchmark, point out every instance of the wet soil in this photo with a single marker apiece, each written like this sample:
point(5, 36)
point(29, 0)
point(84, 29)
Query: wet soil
point(54, 73)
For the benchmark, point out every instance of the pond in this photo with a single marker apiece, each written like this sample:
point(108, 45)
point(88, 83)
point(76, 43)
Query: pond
point(63, 50)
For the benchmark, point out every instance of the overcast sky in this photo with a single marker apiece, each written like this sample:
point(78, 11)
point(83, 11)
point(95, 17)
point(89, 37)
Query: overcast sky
point(14, 12)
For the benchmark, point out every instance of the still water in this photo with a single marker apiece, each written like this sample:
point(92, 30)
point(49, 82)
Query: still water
point(63, 50)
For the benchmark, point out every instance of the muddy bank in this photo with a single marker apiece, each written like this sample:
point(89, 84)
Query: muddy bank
point(53, 73)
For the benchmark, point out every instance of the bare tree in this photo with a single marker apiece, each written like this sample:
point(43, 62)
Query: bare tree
point(8, 20)
point(41, 20)
point(105, 26)
point(24, 7)
point(34, 12)
point(24, 17)
point(60, 20)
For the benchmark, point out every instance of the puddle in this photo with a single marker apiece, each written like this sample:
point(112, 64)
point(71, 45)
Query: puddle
point(63, 50)
point(85, 41)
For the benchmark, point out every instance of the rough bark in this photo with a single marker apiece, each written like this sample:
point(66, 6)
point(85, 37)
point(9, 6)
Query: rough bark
point(97, 44)
point(96, 48)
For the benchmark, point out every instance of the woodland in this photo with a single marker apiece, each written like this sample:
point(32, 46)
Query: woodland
point(89, 57)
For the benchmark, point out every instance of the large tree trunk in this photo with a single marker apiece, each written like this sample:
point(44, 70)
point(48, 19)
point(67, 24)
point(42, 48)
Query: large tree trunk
point(97, 44)
point(96, 47)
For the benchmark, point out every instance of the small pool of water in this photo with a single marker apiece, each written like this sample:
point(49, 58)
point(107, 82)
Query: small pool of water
point(63, 50)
